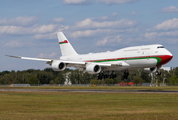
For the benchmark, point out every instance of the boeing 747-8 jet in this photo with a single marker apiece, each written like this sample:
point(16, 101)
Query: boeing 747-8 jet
point(147, 57)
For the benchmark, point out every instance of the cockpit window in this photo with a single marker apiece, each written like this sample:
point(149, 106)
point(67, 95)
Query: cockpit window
point(160, 47)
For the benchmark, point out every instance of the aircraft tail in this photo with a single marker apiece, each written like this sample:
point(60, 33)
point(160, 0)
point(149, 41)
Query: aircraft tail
point(65, 46)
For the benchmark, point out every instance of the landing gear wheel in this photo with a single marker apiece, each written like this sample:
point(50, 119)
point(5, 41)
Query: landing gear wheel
point(101, 75)
point(125, 75)
point(158, 73)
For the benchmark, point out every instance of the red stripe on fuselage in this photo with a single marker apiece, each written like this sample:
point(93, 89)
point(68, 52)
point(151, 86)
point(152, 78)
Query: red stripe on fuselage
point(164, 59)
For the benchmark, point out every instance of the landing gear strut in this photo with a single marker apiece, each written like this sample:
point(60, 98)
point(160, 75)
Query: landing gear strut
point(125, 75)
point(158, 72)
point(101, 75)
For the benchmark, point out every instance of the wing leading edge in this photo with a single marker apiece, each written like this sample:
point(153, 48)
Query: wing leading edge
point(49, 61)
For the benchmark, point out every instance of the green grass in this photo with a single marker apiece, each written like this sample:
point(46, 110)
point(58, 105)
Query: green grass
point(98, 87)
point(87, 106)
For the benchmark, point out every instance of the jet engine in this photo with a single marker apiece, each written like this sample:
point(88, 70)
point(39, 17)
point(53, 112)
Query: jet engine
point(93, 68)
point(58, 66)
point(149, 70)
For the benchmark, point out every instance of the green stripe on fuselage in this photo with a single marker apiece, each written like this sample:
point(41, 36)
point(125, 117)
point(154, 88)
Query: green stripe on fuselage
point(157, 58)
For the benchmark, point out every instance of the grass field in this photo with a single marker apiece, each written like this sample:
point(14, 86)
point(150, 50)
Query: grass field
point(98, 87)
point(87, 106)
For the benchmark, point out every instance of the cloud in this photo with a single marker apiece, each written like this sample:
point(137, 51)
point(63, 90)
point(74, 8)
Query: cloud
point(19, 21)
point(89, 33)
point(44, 28)
point(109, 40)
point(151, 35)
point(76, 2)
point(35, 29)
point(168, 25)
point(102, 42)
point(116, 1)
point(169, 34)
point(106, 17)
point(170, 9)
point(58, 20)
point(133, 13)
point(115, 14)
point(27, 30)
point(89, 23)
point(46, 36)
point(44, 55)
point(101, 26)
point(16, 43)
point(50, 35)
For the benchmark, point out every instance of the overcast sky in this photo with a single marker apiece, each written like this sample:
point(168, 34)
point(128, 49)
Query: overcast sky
point(28, 27)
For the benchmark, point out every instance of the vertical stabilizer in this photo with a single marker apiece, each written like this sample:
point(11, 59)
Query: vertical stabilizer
point(66, 47)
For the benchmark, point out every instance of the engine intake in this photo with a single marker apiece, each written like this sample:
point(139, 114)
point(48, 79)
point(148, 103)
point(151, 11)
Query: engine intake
point(93, 68)
point(58, 66)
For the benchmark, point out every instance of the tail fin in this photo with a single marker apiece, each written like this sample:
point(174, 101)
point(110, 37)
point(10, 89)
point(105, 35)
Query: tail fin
point(66, 47)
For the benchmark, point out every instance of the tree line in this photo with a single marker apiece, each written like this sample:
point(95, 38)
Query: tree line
point(49, 76)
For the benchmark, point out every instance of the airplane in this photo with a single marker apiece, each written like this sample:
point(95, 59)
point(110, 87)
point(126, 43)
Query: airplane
point(146, 57)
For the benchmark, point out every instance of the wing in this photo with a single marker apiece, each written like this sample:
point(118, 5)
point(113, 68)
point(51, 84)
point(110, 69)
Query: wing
point(76, 64)
point(48, 60)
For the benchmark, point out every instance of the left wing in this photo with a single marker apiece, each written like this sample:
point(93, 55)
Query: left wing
point(48, 61)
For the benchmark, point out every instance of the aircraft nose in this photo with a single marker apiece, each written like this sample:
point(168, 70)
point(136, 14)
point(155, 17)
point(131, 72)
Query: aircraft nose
point(169, 57)
point(166, 59)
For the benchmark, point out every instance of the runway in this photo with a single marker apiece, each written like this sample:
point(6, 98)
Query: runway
point(89, 91)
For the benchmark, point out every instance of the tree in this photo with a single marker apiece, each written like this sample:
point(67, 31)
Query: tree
point(176, 71)
point(174, 80)
point(60, 78)
point(72, 78)
point(94, 82)
point(146, 77)
point(109, 81)
point(33, 80)
point(4, 72)
point(137, 80)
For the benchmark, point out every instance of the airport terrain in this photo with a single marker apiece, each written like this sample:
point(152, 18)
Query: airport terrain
point(37, 105)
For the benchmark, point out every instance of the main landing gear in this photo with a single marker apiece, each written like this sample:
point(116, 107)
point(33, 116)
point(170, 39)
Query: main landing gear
point(158, 72)
point(125, 75)
point(101, 75)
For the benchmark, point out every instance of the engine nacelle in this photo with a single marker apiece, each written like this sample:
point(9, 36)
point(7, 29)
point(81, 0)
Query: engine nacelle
point(58, 66)
point(93, 68)
point(149, 70)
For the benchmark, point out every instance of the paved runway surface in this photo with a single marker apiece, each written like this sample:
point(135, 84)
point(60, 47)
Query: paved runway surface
point(97, 91)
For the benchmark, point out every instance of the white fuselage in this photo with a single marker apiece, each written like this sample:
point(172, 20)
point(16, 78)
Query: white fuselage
point(146, 56)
